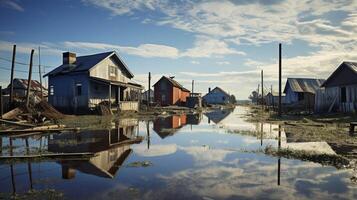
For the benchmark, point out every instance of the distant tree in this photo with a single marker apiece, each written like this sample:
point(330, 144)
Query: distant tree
point(254, 96)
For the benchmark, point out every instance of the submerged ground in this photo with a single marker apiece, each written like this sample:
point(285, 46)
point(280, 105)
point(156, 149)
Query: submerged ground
point(215, 155)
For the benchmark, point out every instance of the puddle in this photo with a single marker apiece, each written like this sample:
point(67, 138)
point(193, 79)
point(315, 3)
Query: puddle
point(178, 157)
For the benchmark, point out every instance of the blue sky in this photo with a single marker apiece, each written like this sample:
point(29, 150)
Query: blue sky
point(216, 43)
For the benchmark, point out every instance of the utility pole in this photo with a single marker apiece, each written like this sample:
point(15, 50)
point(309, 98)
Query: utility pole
point(193, 83)
point(39, 70)
point(262, 89)
point(29, 80)
point(149, 92)
point(272, 96)
point(11, 100)
point(279, 80)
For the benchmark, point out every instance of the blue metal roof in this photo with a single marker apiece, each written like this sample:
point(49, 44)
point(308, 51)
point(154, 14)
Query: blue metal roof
point(85, 63)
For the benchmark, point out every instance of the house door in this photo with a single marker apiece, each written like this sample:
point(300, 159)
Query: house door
point(343, 95)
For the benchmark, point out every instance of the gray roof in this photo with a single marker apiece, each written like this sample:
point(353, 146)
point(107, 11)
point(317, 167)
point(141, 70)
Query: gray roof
point(351, 65)
point(308, 85)
point(85, 63)
point(220, 90)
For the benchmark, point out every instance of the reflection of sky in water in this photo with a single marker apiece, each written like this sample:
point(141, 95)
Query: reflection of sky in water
point(194, 163)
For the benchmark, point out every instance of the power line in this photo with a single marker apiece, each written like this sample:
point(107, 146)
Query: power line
point(22, 63)
point(23, 71)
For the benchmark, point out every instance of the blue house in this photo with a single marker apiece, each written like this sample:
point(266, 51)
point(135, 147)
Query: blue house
point(217, 96)
point(81, 83)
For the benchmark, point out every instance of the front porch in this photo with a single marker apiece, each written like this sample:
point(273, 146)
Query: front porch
point(118, 96)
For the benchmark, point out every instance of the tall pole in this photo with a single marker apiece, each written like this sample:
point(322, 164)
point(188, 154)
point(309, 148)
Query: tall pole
point(193, 84)
point(279, 80)
point(39, 70)
point(29, 80)
point(149, 92)
point(12, 77)
point(272, 96)
point(262, 90)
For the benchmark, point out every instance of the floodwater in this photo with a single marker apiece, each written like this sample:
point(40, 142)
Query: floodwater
point(180, 157)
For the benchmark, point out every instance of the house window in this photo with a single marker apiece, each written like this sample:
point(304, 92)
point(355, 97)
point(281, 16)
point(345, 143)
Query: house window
point(79, 89)
point(52, 90)
point(112, 71)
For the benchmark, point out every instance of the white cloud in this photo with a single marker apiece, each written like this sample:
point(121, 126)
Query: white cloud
point(206, 47)
point(195, 62)
point(223, 63)
point(11, 4)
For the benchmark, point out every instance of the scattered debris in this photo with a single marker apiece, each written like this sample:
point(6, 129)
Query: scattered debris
point(140, 164)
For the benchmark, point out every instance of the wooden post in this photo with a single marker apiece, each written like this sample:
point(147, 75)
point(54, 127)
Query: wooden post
point(193, 84)
point(272, 96)
point(262, 89)
point(110, 97)
point(149, 93)
point(1, 104)
point(11, 100)
point(39, 71)
point(279, 113)
point(29, 80)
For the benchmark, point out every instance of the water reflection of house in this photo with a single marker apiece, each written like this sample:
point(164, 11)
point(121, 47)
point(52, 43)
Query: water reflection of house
point(167, 126)
point(218, 115)
point(111, 148)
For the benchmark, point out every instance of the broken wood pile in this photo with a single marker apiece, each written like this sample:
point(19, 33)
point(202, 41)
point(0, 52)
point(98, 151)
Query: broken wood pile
point(32, 120)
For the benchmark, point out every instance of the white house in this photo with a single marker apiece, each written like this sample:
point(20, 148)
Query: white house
point(217, 96)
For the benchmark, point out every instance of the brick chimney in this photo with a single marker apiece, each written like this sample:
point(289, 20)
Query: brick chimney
point(69, 58)
point(209, 90)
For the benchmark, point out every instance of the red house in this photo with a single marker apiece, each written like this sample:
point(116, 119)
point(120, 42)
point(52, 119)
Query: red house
point(167, 91)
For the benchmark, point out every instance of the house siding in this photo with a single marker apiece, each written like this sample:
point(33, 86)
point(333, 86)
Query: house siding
point(167, 94)
point(216, 97)
point(64, 97)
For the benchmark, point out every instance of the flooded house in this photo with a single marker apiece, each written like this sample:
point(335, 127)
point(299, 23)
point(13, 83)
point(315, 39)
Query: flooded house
point(217, 96)
point(82, 83)
point(301, 91)
point(272, 98)
point(339, 91)
point(20, 88)
point(168, 91)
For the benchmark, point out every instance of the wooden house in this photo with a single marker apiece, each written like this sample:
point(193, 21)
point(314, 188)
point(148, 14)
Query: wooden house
point(217, 96)
point(301, 91)
point(272, 98)
point(20, 88)
point(168, 91)
point(81, 83)
point(339, 91)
